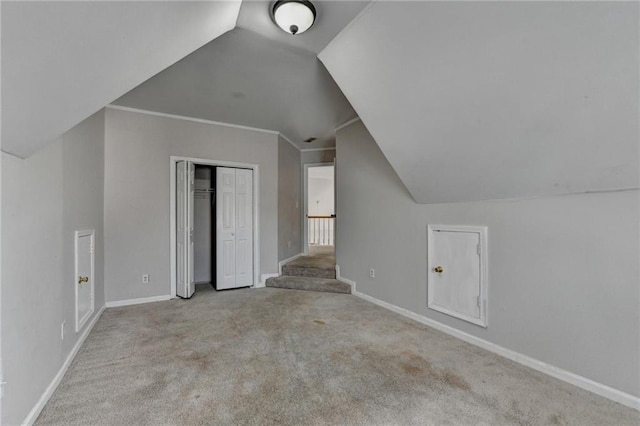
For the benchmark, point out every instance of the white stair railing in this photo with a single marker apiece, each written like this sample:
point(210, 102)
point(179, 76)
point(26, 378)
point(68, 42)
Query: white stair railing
point(320, 230)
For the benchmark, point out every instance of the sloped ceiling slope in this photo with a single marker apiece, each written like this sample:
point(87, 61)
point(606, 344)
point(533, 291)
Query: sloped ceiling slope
point(63, 61)
point(247, 79)
point(493, 100)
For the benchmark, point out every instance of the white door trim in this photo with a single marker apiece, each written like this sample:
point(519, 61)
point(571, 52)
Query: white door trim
point(483, 253)
point(172, 210)
point(80, 322)
point(305, 202)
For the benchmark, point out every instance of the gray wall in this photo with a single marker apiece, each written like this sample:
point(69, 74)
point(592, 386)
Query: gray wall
point(137, 153)
point(289, 200)
point(45, 198)
point(495, 100)
point(563, 270)
point(324, 156)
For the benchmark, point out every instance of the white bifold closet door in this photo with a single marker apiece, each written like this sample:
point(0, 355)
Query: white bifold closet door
point(234, 228)
point(185, 192)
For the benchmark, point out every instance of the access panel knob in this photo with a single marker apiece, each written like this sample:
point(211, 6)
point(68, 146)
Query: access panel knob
point(438, 269)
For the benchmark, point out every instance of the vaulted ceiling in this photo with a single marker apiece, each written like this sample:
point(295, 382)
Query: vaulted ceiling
point(467, 100)
point(64, 61)
point(490, 100)
point(247, 79)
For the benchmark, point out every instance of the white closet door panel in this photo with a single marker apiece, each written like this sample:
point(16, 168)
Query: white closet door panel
point(182, 235)
point(244, 228)
point(225, 228)
point(185, 285)
point(191, 193)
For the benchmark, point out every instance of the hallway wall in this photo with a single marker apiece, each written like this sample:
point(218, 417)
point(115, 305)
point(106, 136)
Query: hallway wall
point(289, 200)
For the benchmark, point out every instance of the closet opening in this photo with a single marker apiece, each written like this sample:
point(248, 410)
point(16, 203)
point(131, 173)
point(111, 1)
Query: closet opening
point(204, 227)
point(214, 226)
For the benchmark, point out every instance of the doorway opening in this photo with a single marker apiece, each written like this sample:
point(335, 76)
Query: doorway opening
point(214, 226)
point(319, 209)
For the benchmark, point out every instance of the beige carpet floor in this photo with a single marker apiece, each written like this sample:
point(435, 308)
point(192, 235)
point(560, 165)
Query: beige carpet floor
point(272, 356)
point(319, 257)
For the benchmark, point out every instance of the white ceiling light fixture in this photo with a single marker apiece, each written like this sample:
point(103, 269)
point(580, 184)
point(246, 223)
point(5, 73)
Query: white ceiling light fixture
point(294, 16)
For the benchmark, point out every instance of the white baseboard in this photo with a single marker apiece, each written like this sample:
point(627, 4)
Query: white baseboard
point(35, 411)
point(284, 262)
point(559, 373)
point(345, 280)
point(138, 301)
point(263, 280)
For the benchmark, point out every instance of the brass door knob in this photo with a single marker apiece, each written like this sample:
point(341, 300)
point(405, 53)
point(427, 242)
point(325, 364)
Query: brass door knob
point(438, 269)
point(82, 279)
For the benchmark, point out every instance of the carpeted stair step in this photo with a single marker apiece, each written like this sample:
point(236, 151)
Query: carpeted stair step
point(308, 271)
point(309, 283)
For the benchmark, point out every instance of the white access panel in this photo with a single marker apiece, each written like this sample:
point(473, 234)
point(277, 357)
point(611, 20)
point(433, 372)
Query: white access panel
point(234, 228)
point(84, 277)
point(457, 271)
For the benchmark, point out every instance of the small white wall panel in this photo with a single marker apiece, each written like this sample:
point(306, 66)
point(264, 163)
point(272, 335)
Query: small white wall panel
point(457, 271)
point(84, 277)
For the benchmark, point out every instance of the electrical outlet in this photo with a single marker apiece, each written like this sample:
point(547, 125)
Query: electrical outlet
point(372, 273)
point(145, 279)
point(289, 244)
point(62, 330)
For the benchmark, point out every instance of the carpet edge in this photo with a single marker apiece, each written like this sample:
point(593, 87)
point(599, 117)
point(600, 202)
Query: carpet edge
point(35, 411)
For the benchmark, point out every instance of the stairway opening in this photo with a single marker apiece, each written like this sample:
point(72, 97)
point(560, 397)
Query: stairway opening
point(319, 210)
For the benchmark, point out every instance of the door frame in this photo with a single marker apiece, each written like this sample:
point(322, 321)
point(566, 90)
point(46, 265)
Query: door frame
point(173, 160)
point(305, 203)
point(80, 322)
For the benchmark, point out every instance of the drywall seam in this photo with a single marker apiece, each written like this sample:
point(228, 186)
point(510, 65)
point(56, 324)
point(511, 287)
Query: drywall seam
point(329, 148)
point(289, 140)
point(548, 369)
point(128, 302)
point(203, 121)
point(348, 123)
point(347, 27)
point(35, 411)
point(193, 119)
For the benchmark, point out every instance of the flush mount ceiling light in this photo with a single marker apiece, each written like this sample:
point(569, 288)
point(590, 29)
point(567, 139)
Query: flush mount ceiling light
point(294, 16)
